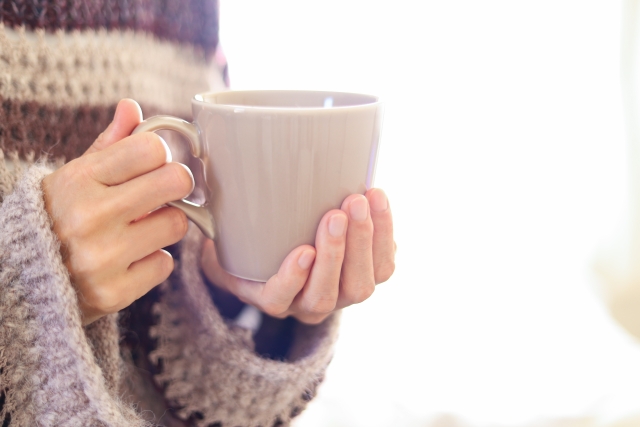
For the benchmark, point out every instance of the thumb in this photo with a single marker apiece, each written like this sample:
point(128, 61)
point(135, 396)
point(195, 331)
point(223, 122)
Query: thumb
point(128, 115)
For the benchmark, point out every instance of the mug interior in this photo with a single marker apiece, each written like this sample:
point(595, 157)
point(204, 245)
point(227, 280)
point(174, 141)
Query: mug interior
point(286, 99)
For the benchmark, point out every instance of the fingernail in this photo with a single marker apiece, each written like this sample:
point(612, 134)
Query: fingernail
point(358, 208)
point(379, 201)
point(138, 108)
point(166, 148)
point(337, 225)
point(119, 107)
point(306, 259)
point(193, 182)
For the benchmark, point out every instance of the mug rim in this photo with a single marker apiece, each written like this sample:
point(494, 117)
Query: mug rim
point(200, 100)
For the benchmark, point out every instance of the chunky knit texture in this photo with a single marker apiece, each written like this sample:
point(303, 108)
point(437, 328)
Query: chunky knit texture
point(53, 102)
point(54, 372)
point(193, 22)
point(202, 355)
point(63, 67)
point(49, 373)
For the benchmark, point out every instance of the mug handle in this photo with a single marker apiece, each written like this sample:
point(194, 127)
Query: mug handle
point(197, 213)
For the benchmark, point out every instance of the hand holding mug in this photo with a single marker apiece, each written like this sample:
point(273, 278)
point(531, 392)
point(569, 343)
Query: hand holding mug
point(274, 163)
point(99, 204)
point(354, 251)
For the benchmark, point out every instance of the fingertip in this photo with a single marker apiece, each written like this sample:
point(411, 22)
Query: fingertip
point(128, 108)
point(358, 208)
point(132, 105)
point(306, 258)
point(348, 200)
point(169, 157)
point(168, 263)
point(337, 224)
point(333, 223)
point(378, 200)
point(193, 182)
point(167, 253)
point(128, 115)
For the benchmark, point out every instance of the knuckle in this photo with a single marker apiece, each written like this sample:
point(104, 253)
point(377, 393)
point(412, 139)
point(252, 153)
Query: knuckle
point(359, 293)
point(99, 139)
point(79, 221)
point(274, 308)
point(361, 241)
point(367, 227)
point(83, 219)
point(154, 273)
point(334, 255)
point(179, 224)
point(179, 178)
point(63, 231)
point(385, 271)
point(347, 201)
point(68, 170)
point(102, 298)
point(314, 319)
point(87, 262)
point(153, 147)
point(282, 315)
point(86, 168)
point(363, 227)
point(321, 305)
point(164, 268)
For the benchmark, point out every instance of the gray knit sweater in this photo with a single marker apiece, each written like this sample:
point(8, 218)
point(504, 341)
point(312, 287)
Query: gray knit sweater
point(188, 364)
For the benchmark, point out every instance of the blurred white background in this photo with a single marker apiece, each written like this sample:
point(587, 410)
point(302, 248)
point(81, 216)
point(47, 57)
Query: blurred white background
point(504, 157)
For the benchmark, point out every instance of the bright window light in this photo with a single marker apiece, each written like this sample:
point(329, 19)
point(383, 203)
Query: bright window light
point(504, 157)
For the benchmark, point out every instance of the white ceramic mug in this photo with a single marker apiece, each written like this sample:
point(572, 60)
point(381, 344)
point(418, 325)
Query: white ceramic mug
point(274, 163)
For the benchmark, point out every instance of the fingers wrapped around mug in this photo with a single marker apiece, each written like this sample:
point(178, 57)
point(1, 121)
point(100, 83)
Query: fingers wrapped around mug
point(99, 205)
point(354, 251)
point(320, 295)
point(384, 247)
point(274, 297)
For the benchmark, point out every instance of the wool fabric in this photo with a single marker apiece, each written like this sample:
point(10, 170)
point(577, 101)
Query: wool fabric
point(172, 358)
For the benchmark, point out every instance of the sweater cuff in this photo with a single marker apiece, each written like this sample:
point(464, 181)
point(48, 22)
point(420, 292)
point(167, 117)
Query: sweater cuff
point(207, 365)
point(49, 372)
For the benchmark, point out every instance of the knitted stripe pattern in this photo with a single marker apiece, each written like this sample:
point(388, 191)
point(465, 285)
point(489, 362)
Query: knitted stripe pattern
point(54, 104)
point(193, 22)
point(63, 67)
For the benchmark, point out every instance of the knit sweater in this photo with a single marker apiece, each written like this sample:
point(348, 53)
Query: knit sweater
point(173, 358)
